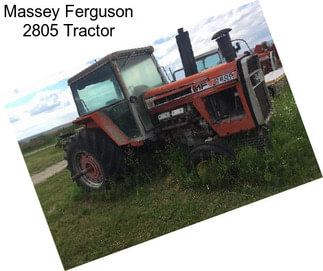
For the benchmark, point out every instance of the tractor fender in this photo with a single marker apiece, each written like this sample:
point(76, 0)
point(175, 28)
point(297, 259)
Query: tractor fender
point(100, 120)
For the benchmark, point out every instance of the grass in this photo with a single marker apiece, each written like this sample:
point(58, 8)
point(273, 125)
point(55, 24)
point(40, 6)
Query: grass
point(40, 160)
point(88, 226)
point(159, 196)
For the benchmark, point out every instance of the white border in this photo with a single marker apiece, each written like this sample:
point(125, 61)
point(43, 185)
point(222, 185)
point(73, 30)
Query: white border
point(283, 232)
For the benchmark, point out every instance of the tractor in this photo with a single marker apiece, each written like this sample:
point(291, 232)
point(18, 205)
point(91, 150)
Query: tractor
point(203, 61)
point(268, 58)
point(125, 101)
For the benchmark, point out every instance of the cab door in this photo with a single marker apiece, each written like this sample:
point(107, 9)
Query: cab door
point(139, 74)
point(100, 90)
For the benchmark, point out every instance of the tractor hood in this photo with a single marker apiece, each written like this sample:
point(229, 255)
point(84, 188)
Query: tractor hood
point(195, 83)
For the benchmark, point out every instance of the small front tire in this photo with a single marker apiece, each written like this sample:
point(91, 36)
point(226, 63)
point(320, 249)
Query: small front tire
point(206, 151)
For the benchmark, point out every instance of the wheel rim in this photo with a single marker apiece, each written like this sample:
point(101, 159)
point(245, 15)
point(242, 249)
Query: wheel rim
point(203, 167)
point(95, 177)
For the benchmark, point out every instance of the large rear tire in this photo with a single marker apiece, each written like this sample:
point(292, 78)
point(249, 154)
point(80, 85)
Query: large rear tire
point(92, 148)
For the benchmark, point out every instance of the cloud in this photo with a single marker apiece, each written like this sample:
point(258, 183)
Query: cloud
point(247, 22)
point(41, 108)
point(46, 110)
point(49, 101)
point(46, 103)
point(163, 39)
point(13, 119)
point(20, 91)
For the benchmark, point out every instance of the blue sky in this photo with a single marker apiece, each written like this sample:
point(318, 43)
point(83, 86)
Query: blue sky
point(47, 103)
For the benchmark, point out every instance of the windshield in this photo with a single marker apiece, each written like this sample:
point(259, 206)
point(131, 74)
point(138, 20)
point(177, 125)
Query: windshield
point(96, 90)
point(139, 74)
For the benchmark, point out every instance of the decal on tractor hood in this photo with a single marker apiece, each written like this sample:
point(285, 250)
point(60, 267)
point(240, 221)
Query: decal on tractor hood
point(213, 82)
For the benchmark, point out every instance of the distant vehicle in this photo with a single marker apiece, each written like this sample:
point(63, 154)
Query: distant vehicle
point(63, 138)
point(204, 61)
point(268, 58)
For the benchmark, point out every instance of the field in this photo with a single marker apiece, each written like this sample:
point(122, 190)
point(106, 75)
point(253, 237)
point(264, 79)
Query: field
point(42, 159)
point(44, 140)
point(159, 196)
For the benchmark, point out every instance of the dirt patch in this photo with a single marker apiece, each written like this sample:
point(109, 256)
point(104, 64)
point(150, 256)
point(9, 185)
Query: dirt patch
point(48, 172)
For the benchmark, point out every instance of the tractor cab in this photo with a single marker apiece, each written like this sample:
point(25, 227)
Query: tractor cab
point(109, 93)
point(203, 61)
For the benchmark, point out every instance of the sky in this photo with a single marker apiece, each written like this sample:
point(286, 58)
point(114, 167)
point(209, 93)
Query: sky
point(46, 103)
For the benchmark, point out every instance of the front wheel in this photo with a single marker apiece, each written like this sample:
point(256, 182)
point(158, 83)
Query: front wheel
point(93, 159)
point(206, 152)
point(209, 164)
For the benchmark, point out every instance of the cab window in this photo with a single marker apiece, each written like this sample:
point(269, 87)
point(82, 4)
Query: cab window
point(97, 90)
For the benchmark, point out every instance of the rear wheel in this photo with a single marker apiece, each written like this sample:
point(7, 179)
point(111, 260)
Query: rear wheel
point(93, 159)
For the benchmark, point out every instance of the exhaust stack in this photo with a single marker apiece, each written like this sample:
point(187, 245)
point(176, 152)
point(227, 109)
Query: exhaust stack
point(223, 39)
point(186, 52)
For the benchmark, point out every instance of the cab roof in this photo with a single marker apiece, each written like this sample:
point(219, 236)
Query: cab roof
point(108, 58)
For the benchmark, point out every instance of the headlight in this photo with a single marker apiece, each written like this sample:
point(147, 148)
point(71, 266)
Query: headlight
point(177, 111)
point(173, 113)
point(256, 78)
point(150, 102)
point(163, 116)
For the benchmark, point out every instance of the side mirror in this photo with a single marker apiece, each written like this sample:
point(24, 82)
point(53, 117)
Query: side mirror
point(132, 99)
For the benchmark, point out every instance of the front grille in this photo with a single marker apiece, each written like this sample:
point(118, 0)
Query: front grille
point(223, 105)
point(264, 99)
point(253, 64)
point(254, 89)
point(173, 96)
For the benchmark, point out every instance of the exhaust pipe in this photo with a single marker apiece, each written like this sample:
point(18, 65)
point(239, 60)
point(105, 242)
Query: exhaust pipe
point(186, 52)
point(223, 39)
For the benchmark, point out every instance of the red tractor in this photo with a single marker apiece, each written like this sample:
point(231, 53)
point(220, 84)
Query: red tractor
point(124, 100)
point(268, 57)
